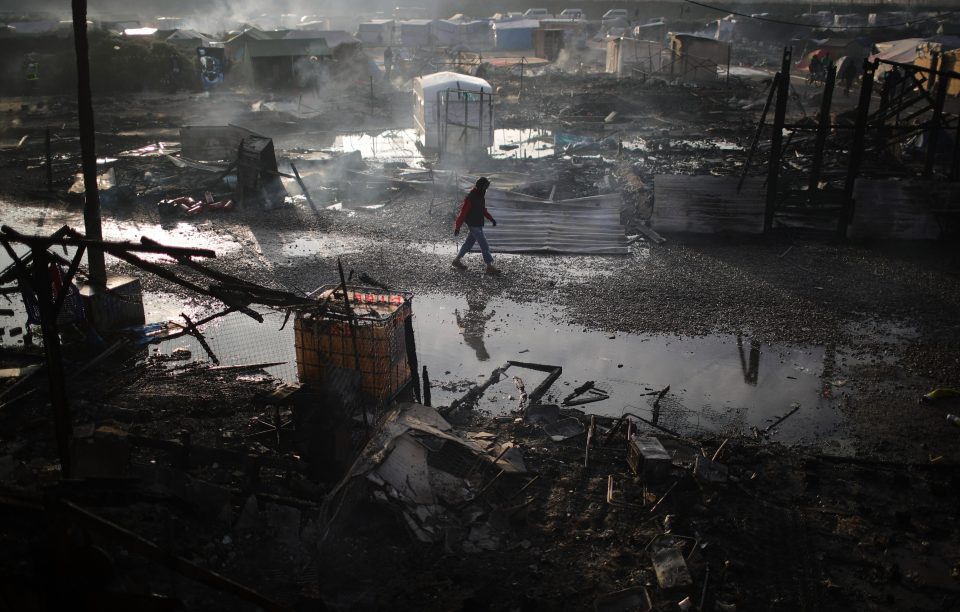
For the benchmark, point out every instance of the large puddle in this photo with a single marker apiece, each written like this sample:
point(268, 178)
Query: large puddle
point(724, 384)
point(400, 145)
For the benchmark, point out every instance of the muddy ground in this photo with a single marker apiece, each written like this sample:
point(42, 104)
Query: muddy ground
point(868, 524)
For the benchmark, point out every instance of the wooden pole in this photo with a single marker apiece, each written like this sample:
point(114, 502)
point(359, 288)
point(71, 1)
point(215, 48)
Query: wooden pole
point(823, 126)
point(353, 332)
point(88, 153)
point(856, 149)
point(776, 142)
point(49, 161)
point(520, 93)
point(54, 357)
point(756, 136)
point(955, 170)
point(935, 124)
point(426, 387)
point(729, 53)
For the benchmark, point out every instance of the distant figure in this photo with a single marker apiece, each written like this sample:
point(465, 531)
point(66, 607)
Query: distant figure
point(815, 67)
point(315, 75)
point(848, 73)
point(473, 211)
point(893, 80)
point(31, 71)
point(387, 61)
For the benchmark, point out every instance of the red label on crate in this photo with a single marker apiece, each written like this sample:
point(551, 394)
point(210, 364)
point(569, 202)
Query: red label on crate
point(377, 298)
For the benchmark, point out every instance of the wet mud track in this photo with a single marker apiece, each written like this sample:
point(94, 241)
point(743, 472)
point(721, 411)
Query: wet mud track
point(877, 321)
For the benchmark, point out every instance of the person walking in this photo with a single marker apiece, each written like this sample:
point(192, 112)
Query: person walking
point(848, 74)
point(473, 212)
point(388, 61)
point(815, 68)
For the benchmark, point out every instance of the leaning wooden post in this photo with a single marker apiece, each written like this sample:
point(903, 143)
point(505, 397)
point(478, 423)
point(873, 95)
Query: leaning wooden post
point(856, 149)
point(52, 353)
point(955, 168)
point(776, 141)
point(49, 157)
point(88, 154)
point(729, 54)
point(756, 136)
point(822, 128)
point(935, 124)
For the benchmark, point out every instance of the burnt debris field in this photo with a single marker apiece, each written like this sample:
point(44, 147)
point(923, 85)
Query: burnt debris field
point(713, 364)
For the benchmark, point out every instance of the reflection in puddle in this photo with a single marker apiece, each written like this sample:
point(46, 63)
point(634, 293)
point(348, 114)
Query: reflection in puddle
point(522, 143)
point(401, 145)
point(717, 383)
point(389, 145)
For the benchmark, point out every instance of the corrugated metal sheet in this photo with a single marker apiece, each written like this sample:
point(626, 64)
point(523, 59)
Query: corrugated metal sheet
point(707, 204)
point(901, 209)
point(582, 225)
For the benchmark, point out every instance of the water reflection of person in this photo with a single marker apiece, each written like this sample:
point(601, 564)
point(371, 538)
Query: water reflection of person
point(473, 323)
point(751, 368)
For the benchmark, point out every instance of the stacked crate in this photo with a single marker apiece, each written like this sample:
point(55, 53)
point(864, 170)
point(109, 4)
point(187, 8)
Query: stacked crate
point(324, 340)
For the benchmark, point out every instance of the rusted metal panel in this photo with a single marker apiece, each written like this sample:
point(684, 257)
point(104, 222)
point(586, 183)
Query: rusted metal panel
point(913, 210)
point(588, 225)
point(707, 204)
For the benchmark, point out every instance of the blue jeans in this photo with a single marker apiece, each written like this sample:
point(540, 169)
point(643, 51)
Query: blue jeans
point(476, 236)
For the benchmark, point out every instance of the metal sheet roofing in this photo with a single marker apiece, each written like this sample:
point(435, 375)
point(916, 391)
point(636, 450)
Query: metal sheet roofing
point(588, 225)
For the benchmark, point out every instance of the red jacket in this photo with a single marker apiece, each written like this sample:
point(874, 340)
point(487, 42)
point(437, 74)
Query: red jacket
point(473, 211)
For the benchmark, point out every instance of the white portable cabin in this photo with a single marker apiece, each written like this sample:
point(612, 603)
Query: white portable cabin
point(453, 112)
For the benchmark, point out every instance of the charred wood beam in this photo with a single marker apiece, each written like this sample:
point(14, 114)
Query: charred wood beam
point(823, 126)
point(196, 333)
point(165, 274)
point(475, 393)
point(88, 154)
point(303, 187)
point(54, 359)
point(776, 152)
point(411, 342)
point(186, 261)
point(68, 278)
point(554, 373)
point(856, 149)
point(264, 295)
point(202, 321)
point(774, 86)
point(71, 237)
point(353, 329)
point(935, 123)
point(51, 343)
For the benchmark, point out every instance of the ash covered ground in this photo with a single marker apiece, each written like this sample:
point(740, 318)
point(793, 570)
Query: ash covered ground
point(854, 507)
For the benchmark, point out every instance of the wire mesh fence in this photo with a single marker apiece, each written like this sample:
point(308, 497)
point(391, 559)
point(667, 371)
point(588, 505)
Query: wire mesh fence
point(238, 340)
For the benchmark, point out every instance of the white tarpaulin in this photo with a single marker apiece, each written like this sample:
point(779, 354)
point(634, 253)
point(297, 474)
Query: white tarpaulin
point(588, 225)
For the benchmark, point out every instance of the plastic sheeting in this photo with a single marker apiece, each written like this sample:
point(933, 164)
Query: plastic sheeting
point(588, 225)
